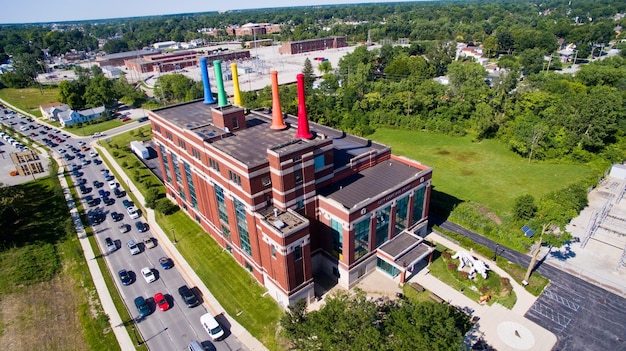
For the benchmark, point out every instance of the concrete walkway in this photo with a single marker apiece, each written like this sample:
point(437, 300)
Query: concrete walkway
point(501, 328)
point(250, 342)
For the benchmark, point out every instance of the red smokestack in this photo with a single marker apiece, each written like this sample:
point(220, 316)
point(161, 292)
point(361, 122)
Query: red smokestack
point(277, 113)
point(303, 123)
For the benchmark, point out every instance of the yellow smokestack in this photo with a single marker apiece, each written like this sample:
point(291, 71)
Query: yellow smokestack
point(236, 93)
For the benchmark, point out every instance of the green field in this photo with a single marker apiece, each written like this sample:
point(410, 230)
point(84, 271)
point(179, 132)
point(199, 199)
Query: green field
point(486, 172)
point(29, 99)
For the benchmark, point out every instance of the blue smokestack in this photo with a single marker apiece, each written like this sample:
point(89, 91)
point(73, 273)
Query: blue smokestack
point(208, 96)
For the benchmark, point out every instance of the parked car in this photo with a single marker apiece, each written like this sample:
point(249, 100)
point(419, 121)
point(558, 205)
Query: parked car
point(188, 296)
point(112, 184)
point(124, 277)
point(148, 275)
point(209, 323)
point(132, 212)
point(118, 192)
point(132, 246)
point(142, 306)
point(124, 228)
point(110, 244)
point(116, 216)
point(127, 203)
point(166, 262)
point(161, 301)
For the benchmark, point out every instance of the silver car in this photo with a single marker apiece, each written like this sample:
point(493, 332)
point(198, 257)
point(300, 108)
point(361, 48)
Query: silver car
point(132, 246)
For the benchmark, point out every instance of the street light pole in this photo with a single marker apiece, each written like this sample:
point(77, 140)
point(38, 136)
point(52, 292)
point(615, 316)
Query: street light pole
point(136, 337)
point(174, 235)
point(495, 253)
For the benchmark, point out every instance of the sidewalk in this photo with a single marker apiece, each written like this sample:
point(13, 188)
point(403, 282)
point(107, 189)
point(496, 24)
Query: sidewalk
point(501, 328)
point(250, 342)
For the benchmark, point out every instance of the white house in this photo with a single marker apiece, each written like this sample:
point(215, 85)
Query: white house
point(52, 110)
point(72, 117)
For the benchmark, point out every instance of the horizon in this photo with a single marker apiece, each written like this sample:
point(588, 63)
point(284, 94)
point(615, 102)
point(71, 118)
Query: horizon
point(18, 13)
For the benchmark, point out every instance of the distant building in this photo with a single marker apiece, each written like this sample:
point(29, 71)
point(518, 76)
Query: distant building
point(166, 45)
point(119, 58)
point(111, 72)
point(302, 46)
point(258, 43)
point(71, 117)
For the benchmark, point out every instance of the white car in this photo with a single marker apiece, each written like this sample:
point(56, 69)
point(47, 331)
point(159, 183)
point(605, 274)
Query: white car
point(81, 143)
point(132, 246)
point(132, 212)
point(112, 184)
point(98, 134)
point(211, 326)
point(93, 154)
point(147, 274)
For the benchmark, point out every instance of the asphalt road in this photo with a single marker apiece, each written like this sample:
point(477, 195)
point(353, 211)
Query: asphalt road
point(582, 315)
point(168, 330)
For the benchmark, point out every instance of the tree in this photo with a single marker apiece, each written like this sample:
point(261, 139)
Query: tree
point(524, 207)
point(309, 74)
point(325, 67)
point(490, 46)
point(99, 92)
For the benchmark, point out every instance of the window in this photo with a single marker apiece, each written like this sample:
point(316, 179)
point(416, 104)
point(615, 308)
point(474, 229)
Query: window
point(221, 206)
point(387, 267)
point(192, 188)
point(166, 164)
point(382, 226)
point(235, 123)
point(298, 176)
point(248, 267)
point(226, 232)
point(157, 128)
point(266, 181)
point(179, 179)
point(297, 253)
point(337, 238)
point(196, 154)
point(297, 158)
point(214, 165)
point(242, 227)
point(319, 162)
point(181, 193)
point(418, 205)
point(168, 135)
point(234, 177)
point(402, 207)
point(273, 250)
point(182, 143)
point(361, 238)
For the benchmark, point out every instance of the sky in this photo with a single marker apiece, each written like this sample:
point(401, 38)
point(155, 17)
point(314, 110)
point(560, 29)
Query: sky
point(34, 11)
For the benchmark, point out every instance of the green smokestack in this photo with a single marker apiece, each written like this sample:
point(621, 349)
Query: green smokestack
point(221, 93)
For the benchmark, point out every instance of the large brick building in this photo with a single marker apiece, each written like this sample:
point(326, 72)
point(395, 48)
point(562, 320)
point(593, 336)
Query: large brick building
point(289, 199)
point(302, 46)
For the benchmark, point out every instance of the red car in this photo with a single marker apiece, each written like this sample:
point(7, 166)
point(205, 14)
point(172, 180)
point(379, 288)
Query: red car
point(161, 302)
point(125, 119)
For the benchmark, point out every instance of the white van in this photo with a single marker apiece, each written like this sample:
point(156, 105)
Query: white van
point(211, 326)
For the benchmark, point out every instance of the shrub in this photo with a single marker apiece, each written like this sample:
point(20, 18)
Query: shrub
point(166, 207)
point(115, 154)
point(506, 286)
point(446, 255)
point(124, 164)
point(451, 266)
point(464, 275)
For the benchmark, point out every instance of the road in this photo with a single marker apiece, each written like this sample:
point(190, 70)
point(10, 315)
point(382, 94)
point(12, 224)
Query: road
point(172, 329)
point(582, 315)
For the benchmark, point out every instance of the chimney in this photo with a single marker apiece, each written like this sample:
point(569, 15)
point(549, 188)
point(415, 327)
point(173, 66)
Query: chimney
point(236, 93)
point(221, 93)
point(277, 113)
point(303, 123)
point(208, 96)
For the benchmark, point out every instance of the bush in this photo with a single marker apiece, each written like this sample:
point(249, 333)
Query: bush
point(124, 164)
point(446, 255)
point(151, 198)
point(451, 266)
point(506, 286)
point(464, 275)
point(115, 154)
point(166, 207)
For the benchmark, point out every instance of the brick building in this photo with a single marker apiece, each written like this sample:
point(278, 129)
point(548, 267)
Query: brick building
point(289, 199)
point(118, 59)
point(302, 46)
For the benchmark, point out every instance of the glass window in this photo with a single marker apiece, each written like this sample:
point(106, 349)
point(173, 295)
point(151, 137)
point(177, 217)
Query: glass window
point(242, 227)
point(382, 226)
point(226, 232)
point(418, 205)
point(192, 188)
point(273, 250)
point(337, 238)
point(221, 206)
point(402, 207)
point(166, 164)
point(298, 175)
point(179, 179)
point(319, 162)
point(361, 238)
point(297, 252)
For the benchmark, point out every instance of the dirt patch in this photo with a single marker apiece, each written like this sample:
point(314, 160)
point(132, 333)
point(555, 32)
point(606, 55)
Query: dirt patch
point(490, 214)
point(442, 152)
point(42, 316)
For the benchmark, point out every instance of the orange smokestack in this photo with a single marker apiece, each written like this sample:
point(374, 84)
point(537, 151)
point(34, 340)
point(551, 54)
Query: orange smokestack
point(303, 122)
point(237, 92)
point(277, 113)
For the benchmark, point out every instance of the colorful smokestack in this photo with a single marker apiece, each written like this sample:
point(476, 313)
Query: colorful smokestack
point(303, 123)
point(221, 93)
point(236, 93)
point(277, 113)
point(208, 96)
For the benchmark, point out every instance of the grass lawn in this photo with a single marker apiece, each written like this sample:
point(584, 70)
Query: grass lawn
point(485, 172)
point(236, 290)
point(29, 99)
point(89, 129)
point(46, 288)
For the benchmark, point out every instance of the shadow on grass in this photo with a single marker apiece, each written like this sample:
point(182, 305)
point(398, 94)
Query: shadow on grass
point(442, 205)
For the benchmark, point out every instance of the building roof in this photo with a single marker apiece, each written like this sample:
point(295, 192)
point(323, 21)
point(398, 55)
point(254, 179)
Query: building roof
point(406, 249)
point(91, 111)
point(377, 181)
point(128, 54)
point(250, 145)
point(51, 104)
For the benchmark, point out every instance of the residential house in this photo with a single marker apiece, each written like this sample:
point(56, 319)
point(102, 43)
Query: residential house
point(71, 117)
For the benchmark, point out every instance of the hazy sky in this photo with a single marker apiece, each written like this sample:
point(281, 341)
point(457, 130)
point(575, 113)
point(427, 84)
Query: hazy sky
point(29, 11)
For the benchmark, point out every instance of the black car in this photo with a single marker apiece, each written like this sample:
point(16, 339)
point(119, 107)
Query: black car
point(141, 226)
point(125, 277)
point(118, 192)
point(108, 201)
point(97, 184)
point(97, 161)
point(84, 189)
point(91, 201)
point(81, 181)
point(188, 296)
point(116, 216)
